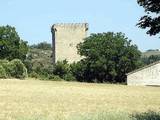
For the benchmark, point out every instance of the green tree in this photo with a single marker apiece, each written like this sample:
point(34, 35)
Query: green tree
point(61, 68)
point(107, 58)
point(150, 59)
point(18, 69)
point(14, 68)
point(152, 19)
point(2, 72)
point(42, 45)
point(11, 46)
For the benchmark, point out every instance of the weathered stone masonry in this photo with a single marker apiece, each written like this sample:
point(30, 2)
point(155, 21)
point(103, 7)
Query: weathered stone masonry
point(65, 38)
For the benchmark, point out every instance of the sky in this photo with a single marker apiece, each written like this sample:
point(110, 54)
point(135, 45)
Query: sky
point(33, 18)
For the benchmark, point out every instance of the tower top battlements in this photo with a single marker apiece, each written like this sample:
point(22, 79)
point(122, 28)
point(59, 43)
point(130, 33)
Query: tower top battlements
point(70, 25)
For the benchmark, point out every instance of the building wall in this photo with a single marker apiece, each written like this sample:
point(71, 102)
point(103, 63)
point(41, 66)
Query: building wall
point(65, 39)
point(147, 76)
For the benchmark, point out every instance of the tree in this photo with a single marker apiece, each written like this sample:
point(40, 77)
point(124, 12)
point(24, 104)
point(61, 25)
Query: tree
point(43, 46)
point(152, 19)
point(150, 59)
point(107, 58)
point(11, 46)
point(61, 68)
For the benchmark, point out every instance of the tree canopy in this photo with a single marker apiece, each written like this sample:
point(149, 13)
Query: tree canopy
point(107, 58)
point(11, 46)
point(151, 59)
point(152, 18)
point(43, 46)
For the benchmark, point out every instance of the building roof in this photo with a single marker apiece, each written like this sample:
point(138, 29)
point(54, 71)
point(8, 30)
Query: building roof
point(147, 66)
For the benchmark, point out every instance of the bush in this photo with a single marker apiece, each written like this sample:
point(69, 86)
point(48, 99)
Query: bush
point(54, 78)
point(28, 64)
point(2, 72)
point(78, 70)
point(4, 62)
point(61, 68)
point(41, 71)
point(17, 69)
point(150, 115)
point(45, 76)
point(69, 77)
point(60, 71)
point(34, 75)
point(8, 67)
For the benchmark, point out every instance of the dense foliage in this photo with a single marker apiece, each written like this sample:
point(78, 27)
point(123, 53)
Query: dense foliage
point(18, 69)
point(150, 59)
point(2, 72)
point(42, 45)
point(11, 46)
point(63, 69)
point(152, 18)
point(150, 115)
point(13, 69)
point(108, 57)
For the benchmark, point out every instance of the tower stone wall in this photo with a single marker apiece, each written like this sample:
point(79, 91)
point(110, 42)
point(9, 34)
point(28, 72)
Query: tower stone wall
point(65, 38)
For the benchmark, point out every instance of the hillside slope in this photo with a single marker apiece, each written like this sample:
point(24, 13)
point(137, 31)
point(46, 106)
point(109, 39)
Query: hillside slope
point(39, 56)
point(149, 53)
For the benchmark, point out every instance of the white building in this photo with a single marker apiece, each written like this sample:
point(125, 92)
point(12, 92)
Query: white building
point(148, 75)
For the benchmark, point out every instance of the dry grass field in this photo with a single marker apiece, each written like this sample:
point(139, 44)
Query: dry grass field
point(45, 100)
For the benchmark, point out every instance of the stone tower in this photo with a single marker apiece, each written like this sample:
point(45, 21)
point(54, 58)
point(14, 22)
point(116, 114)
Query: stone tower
point(65, 38)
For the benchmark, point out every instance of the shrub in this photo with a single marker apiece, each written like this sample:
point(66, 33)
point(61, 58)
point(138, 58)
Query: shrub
point(61, 68)
point(34, 75)
point(54, 78)
point(41, 70)
point(6, 65)
point(28, 64)
point(78, 70)
point(2, 72)
point(150, 115)
point(69, 77)
point(4, 62)
point(15, 68)
point(45, 76)
point(18, 69)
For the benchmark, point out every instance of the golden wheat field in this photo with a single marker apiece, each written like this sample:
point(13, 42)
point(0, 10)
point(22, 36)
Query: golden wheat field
point(48, 99)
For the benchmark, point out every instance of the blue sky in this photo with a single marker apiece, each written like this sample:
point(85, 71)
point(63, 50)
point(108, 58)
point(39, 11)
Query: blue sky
point(34, 18)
